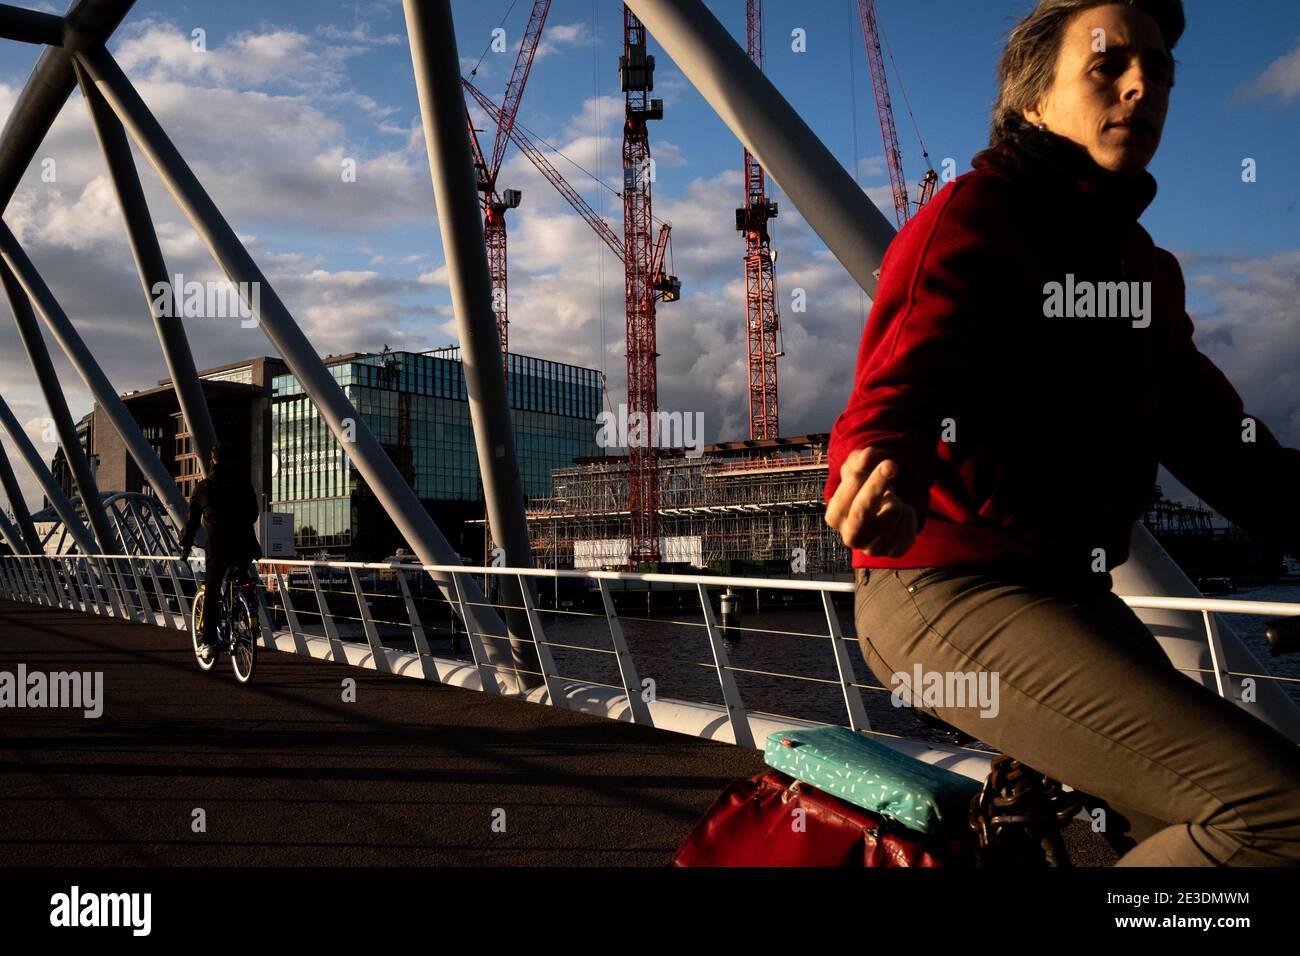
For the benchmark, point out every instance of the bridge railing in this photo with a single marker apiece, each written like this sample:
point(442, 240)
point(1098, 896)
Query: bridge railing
point(655, 649)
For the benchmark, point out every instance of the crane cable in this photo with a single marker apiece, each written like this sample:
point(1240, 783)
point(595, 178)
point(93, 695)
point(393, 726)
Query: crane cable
point(509, 10)
point(898, 77)
point(853, 98)
point(600, 199)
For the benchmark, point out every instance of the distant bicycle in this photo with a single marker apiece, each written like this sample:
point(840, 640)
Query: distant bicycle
point(237, 626)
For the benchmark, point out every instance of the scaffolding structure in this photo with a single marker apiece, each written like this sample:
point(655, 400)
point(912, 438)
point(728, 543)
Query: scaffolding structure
point(736, 504)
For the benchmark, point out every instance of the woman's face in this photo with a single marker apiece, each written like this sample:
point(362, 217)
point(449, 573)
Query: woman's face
point(1111, 90)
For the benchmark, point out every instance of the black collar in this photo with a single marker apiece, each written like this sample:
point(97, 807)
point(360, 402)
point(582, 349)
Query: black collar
point(1048, 161)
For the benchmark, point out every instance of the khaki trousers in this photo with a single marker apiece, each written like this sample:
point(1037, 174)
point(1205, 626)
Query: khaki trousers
point(1086, 696)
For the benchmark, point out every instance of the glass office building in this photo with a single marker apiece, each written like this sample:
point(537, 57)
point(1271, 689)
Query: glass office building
point(415, 404)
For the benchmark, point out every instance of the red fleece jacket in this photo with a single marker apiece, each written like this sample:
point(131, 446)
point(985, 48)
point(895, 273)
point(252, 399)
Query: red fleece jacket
point(1025, 436)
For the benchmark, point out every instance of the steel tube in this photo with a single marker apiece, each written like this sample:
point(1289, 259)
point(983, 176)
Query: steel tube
point(379, 472)
point(30, 26)
point(58, 500)
point(101, 388)
point(29, 330)
point(836, 208)
point(13, 537)
point(22, 517)
point(152, 269)
point(87, 22)
point(436, 62)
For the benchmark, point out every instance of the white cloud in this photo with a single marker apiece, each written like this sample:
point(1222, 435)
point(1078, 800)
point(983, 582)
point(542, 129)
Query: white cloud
point(1252, 332)
point(162, 52)
point(557, 37)
point(1281, 79)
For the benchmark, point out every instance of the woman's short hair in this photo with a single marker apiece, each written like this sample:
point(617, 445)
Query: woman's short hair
point(1028, 64)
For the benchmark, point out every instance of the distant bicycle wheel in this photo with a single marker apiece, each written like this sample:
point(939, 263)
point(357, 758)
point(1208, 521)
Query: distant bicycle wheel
point(196, 630)
point(243, 639)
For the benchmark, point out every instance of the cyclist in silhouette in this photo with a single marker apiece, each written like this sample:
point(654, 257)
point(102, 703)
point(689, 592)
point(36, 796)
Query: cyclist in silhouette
point(226, 505)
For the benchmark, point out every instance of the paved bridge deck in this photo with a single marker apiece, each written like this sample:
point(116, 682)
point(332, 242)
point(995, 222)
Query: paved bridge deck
point(289, 774)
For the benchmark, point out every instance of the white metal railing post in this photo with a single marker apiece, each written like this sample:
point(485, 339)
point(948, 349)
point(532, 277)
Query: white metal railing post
point(730, 692)
point(11, 584)
point(50, 584)
point(327, 619)
point(1212, 639)
point(487, 675)
point(31, 586)
point(52, 565)
point(164, 608)
point(20, 584)
point(368, 625)
point(290, 614)
point(544, 659)
point(182, 602)
point(105, 577)
point(844, 667)
point(12, 589)
point(56, 592)
point(417, 630)
point(263, 613)
point(626, 665)
point(92, 576)
point(132, 605)
point(74, 575)
point(74, 595)
point(44, 585)
point(64, 600)
point(146, 610)
point(35, 586)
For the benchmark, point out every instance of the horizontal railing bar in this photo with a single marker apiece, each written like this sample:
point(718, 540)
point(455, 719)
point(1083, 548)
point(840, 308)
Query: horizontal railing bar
point(1155, 602)
point(1214, 605)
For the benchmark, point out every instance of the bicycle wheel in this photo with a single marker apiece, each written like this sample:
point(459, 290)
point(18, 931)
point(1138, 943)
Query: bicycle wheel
point(243, 639)
point(196, 630)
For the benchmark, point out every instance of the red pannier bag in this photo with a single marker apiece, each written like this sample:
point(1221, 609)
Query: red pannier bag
point(753, 823)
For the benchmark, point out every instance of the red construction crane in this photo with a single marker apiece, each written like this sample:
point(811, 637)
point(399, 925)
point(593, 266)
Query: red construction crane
point(893, 156)
point(667, 287)
point(636, 75)
point(761, 316)
point(496, 203)
point(662, 286)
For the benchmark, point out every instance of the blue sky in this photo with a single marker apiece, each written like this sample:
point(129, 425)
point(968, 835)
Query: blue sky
point(286, 91)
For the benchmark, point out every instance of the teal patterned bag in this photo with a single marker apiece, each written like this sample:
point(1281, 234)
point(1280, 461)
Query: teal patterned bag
point(872, 776)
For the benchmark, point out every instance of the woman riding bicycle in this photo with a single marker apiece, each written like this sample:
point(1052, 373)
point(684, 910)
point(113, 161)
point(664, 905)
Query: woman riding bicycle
point(226, 505)
point(1027, 365)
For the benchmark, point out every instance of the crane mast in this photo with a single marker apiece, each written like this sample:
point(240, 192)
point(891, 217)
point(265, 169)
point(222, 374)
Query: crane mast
point(494, 203)
point(636, 75)
point(761, 316)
